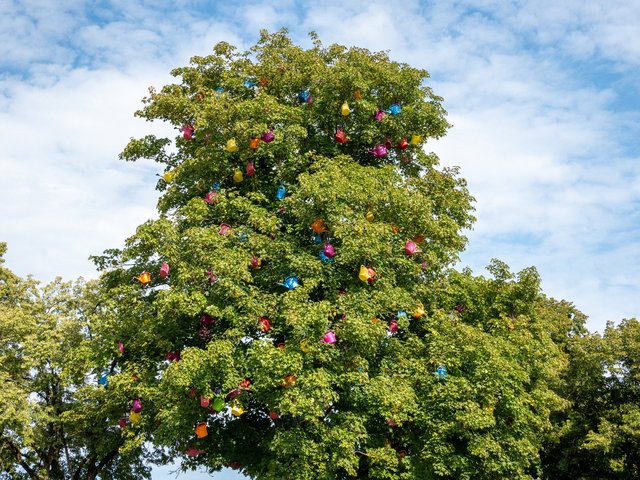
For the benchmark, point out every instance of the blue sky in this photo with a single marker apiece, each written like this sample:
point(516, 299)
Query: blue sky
point(543, 97)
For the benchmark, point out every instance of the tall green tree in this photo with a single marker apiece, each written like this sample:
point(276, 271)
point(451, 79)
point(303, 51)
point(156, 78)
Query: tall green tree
point(292, 313)
point(56, 422)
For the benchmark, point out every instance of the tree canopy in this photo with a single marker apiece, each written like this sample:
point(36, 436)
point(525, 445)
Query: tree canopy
point(292, 312)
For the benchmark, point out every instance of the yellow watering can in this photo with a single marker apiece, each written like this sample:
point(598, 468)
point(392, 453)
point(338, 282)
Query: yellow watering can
point(237, 410)
point(232, 146)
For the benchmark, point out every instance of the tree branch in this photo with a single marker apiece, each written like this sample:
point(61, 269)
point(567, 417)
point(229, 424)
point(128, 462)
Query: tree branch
point(64, 444)
point(19, 459)
point(94, 470)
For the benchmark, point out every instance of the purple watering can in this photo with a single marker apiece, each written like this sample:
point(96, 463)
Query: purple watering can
point(136, 406)
point(379, 151)
point(268, 136)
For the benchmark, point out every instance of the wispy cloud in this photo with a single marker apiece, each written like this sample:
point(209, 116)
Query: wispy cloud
point(65, 192)
point(64, 117)
point(539, 136)
point(543, 98)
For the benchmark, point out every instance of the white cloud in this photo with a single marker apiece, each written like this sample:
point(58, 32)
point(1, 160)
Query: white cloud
point(27, 28)
point(538, 144)
point(268, 14)
point(544, 151)
point(67, 195)
point(549, 195)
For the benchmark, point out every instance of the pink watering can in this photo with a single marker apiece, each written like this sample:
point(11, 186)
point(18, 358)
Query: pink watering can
point(372, 274)
point(164, 270)
point(410, 248)
point(187, 131)
point(329, 338)
point(213, 278)
point(328, 250)
point(211, 197)
point(193, 452)
point(136, 406)
point(224, 229)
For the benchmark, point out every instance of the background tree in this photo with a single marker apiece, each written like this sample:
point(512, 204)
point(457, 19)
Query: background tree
point(291, 312)
point(598, 436)
point(56, 422)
